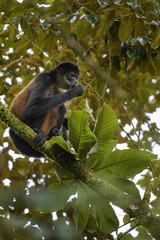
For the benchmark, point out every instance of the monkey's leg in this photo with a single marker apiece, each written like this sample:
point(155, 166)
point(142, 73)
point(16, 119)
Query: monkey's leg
point(24, 147)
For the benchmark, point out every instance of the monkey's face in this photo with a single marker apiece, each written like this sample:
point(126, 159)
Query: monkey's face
point(67, 75)
point(71, 79)
point(68, 80)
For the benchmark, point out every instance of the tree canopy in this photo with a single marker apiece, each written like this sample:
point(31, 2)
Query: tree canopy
point(116, 45)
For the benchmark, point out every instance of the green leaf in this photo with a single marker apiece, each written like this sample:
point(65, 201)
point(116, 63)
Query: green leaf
point(125, 163)
point(155, 42)
point(50, 42)
point(105, 128)
point(90, 19)
point(28, 16)
point(125, 30)
point(133, 42)
point(100, 208)
point(60, 141)
point(80, 134)
point(5, 5)
point(156, 204)
point(153, 10)
point(37, 30)
point(17, 20)
point(104, 214)
point(23, 45)
point(74, 17)
point(140, 53)
point(48, 65)
point(143, 234)
point(107, 19)
point(44, 25)
point(155, 165)
point(132, 4)
point(81, 212)
point(96, 157)
point(103, 3)
point(80, 216)
point(120, 183)
point(59, 172)
point(129, 237)
point(73, 37)
point(83, 28)
point(130, 53)
point(105, 217)
point(139, 29)
point(56, 196)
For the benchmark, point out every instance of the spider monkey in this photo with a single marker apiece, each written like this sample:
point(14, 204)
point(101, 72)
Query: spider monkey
point(40, 105)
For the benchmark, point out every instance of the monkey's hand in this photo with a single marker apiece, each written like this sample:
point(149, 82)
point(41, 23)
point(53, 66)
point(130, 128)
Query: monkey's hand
point(55, 131)
point(78, 90)
point(72, 93)
point(40, 138)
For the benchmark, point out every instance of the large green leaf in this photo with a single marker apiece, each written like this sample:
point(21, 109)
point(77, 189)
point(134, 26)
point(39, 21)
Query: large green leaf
point(107, 19)
point(104, 214)
point(80, 216)
point(83, 28)
point(125, 30)
point(89, 201)
point(80, 134)
point(105, 128)
point(121, 183)
point(56, 196)
point(156, 204)
point(60, 141)
point(124, 163)
point(81, 212)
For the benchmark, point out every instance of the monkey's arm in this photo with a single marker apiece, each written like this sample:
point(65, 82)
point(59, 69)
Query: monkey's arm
point(39, 105)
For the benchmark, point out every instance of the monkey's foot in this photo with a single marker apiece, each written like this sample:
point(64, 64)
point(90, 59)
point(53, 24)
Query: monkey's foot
point(40, 138)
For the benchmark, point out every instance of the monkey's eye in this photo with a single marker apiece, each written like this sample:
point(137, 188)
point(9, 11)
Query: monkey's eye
point(71, 76)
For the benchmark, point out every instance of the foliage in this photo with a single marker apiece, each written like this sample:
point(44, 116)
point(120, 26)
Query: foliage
point(113, 166)
point(117, 47)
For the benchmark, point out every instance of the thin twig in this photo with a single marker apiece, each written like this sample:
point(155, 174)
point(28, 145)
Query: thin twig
point(11, 63)
point(80, 4)
point(94, 91)
point(136, 146)
point(117, 229)
point(125, 233)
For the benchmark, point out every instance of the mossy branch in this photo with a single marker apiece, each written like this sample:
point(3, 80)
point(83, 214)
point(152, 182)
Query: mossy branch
point(136, 209)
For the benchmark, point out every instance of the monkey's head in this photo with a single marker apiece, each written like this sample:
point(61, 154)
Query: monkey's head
point(67, 75)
